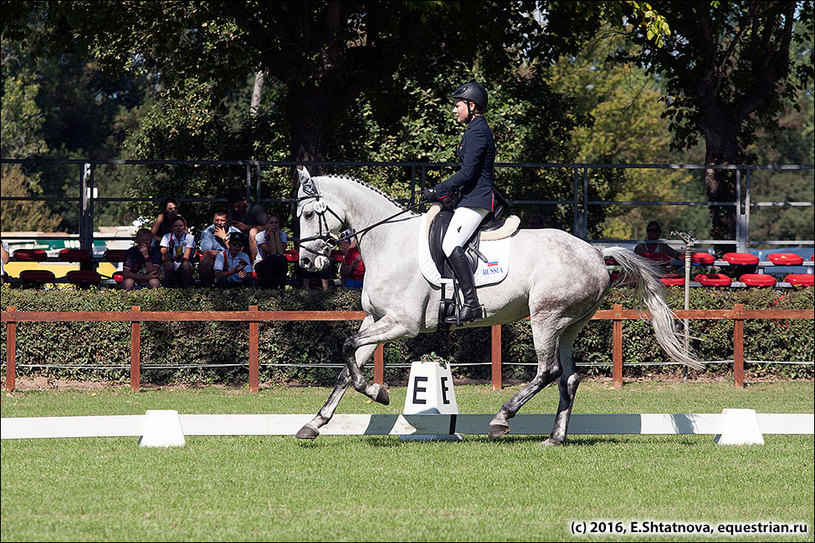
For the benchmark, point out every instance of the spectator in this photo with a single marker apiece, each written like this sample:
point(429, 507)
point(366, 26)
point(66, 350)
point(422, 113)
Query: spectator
point(271, 266)
point(161, 226)
point(142, 264)
point(352, 269)
point(249, 218)
point(535, 221)
point(654, 249)
point(4, 249)
point(176, 251)
point(233, 267)
point(214, 240)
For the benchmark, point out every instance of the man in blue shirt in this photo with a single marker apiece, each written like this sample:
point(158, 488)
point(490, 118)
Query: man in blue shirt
point(214, 240)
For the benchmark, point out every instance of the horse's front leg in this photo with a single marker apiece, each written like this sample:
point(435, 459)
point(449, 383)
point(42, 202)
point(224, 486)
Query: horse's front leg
point(358, 348)
point(312, 429)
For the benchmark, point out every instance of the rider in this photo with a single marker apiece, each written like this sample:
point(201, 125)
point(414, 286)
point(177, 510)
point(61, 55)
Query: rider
point(476, 153)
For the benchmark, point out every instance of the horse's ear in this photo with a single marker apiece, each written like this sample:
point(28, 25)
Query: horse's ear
point(306, 182)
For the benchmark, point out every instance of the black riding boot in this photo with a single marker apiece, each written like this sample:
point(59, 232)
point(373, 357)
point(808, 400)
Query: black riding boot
point(471, 310)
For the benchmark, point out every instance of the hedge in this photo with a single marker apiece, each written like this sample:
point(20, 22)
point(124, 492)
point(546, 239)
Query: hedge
point(219, 345)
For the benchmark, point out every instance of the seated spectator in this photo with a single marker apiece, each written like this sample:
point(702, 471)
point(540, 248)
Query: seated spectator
point(233, 267)
point(658, 251)
point(249, 218)
point(4, 251)
point(161, 226)
point(176, 251)
point(271, 265)
point(142, 264)
point(214, 240)
point(352, 269)
point(535, 221)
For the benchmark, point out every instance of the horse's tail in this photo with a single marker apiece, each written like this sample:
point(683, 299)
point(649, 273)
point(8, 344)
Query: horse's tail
point(650, 289)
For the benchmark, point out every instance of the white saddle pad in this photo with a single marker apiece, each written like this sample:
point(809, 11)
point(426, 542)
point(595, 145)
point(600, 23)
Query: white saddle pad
point(494, 270)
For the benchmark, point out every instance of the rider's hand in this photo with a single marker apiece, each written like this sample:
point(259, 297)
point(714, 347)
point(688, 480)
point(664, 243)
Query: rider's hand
point(429, 195)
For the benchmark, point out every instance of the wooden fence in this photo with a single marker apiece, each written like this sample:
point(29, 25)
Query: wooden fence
point(11, 317)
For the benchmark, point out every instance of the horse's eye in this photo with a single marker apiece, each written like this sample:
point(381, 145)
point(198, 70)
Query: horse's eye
point(308, 214)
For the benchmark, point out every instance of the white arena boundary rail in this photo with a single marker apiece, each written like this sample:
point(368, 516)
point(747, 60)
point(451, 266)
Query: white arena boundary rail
point(169, 428)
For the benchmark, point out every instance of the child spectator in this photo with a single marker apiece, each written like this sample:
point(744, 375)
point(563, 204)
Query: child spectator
point(176, 250)
point(233, 267)
point(352, 269)
point(142, 264)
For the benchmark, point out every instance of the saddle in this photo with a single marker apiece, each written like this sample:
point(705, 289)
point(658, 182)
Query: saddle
point(486, 268)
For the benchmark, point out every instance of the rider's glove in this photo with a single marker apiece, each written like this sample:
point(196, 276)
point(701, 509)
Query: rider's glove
point(429, 195)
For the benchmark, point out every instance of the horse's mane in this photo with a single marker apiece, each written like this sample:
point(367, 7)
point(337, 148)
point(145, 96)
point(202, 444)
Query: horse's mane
point(372, 188)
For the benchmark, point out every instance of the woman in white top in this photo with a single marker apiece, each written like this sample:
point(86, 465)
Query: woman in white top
point(176, 251)
point(271, 265)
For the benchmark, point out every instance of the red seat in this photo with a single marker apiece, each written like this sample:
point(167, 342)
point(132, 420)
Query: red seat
point(115, 255)
point(118, 277)
point(84, 277)
point(673, 280)
point(757, 280)
point(292, 255)
point(802, 279)
point(705, 259)
point(76, 255)
point(30, 255)
point(714, 280)
point(38, 277)
point(741, 259)
point(786, 259)
point(656, 257)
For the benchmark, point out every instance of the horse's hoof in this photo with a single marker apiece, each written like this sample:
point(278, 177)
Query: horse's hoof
point(497, 430)
point(549, 442)
point(382, 395)
point(307, 432)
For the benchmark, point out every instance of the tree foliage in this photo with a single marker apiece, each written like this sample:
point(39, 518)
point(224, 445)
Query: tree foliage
point(728, 69)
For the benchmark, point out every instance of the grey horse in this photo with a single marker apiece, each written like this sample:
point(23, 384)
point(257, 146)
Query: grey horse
point(554, 278)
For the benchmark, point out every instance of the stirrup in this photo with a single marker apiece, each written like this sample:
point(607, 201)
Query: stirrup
point(473, 314)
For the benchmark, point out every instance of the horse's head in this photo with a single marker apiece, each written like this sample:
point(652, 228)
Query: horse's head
point(319, 225)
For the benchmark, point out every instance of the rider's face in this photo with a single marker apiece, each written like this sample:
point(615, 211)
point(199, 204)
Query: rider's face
point(460, 110)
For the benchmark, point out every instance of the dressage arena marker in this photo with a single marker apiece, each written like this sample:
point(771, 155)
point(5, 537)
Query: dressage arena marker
point(430, 392)
point(155, 431)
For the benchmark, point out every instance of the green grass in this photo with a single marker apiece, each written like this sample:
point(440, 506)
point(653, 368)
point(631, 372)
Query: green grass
point(381, 488)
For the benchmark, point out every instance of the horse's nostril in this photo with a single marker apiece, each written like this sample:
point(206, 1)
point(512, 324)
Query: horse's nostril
point(304, 262)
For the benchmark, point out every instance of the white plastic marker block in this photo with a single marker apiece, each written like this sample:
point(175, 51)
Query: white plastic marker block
point(430, 392)
point(162, 429)
point(739, 427)
point(430, 386)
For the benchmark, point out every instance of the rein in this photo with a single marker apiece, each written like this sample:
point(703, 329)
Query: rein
point(328, 237)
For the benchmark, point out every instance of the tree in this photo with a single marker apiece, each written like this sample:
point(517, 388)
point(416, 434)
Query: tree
point(728, 69)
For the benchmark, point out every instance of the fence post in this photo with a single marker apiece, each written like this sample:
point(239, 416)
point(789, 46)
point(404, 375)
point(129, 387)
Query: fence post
point(135, 351)
point(617, 346)
point(11, 350)
point(738, 345)
point(253, 352)
point(379, 364)
point(496, 357)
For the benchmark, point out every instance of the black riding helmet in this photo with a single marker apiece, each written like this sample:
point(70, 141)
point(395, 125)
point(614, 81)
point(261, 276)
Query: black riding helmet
point(473, 92)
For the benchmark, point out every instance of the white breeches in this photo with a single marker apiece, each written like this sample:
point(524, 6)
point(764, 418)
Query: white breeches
point(464, 222)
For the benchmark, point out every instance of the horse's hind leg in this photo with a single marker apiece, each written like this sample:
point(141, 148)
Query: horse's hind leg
point(546, 346)
point(567, 385)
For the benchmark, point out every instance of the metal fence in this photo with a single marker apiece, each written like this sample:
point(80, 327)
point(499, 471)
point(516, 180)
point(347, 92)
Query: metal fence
point(417, 172)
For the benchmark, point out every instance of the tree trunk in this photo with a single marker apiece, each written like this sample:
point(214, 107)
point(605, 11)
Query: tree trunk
point(257, 93)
